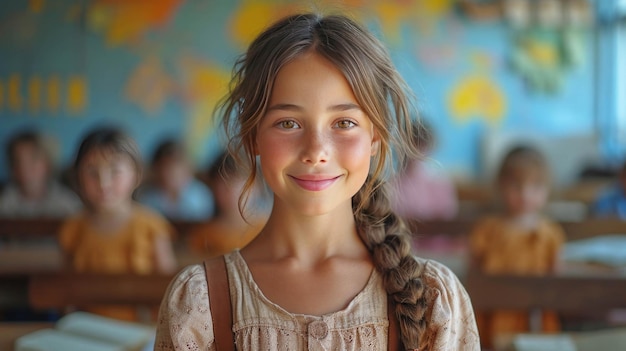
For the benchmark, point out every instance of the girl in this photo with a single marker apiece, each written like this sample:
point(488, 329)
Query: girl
point(318, 102)
point(114, 234)
point(520, 240)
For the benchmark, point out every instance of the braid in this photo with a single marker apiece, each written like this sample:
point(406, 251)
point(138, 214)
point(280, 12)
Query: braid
point(387, 238)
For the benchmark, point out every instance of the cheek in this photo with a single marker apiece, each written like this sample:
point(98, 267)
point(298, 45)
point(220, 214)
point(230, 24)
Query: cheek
point(124, 183)
point(541, 197)
point(274, 152)
point(356, 154)
point(88, 186)
point(512, 196)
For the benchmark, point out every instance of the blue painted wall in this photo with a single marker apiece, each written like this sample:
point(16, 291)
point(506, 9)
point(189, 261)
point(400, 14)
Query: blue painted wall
point(179, 63)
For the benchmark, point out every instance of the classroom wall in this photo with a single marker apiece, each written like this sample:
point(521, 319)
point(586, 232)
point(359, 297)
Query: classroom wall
point(157, 68)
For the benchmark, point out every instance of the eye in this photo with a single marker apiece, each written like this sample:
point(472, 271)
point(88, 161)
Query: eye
point(345, 124)
point(288, 124)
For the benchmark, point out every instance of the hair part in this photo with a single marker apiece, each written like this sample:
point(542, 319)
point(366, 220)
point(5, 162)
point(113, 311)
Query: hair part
point(384, 97)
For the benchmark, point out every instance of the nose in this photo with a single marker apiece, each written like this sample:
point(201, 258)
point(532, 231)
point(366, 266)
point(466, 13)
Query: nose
point(104, 180)
point(315, 148)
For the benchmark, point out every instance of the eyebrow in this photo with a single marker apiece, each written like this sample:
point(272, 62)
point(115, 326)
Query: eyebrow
point(291, 107)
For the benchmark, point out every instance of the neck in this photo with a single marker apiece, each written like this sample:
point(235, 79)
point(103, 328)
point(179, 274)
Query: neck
point(117, 213)
point(309, 239)
point(526, 219)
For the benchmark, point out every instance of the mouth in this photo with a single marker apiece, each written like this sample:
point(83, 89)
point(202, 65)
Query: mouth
point(314, 183)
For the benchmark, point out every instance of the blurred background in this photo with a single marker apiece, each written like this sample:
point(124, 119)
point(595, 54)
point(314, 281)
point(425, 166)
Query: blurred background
point(482, 77)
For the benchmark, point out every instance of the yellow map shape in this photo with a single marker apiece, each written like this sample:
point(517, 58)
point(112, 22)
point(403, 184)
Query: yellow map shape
point(477, 96)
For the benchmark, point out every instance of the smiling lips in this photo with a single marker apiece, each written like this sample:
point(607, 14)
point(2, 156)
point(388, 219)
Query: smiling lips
point(314, 183)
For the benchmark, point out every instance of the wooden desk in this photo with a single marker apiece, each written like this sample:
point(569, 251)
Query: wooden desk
point(20, 229)
point(573, 292)
point(26, 260)
point(60, 290)
point(19, 264)
point(49, 227)
point(574, 230)
point(33, 259)
point(9, 332)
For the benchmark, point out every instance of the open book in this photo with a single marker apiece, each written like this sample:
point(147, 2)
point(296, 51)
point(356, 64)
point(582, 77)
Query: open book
point(86, 331)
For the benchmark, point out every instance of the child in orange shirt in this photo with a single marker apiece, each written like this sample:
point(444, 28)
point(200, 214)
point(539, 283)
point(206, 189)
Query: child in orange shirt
point(231, 228)
point(114, 234)
point(520, 240)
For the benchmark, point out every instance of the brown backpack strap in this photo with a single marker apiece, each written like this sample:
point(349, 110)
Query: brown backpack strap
point(219, 301)
point(393, 343)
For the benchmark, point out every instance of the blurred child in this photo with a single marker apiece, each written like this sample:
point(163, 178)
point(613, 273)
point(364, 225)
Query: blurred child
point(520, 240)
point(114, 234)
point(229, 229)
point(612, 201)
point(33, 192)
point(421, 192)
point(174, 191)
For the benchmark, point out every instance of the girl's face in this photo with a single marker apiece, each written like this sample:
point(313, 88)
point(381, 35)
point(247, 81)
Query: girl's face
point(314, 142)
point(107, 179)
point(30, 167)
point(524, 194)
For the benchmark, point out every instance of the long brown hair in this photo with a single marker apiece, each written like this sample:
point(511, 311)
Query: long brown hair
point(383, 96)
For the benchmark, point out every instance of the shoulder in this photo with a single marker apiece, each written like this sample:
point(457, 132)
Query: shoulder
point(189, 284)
point(74, 221)
point(185, 316)
point(489, 221)
point(485, 226)
point(71, 228)
point(444, 290)
point(450, 316)
point(552, 229)
point(439, 277)
point(141, 211)
point(148, 218)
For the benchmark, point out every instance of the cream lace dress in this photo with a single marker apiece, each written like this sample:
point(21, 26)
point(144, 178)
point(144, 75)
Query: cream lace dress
point(259, 324)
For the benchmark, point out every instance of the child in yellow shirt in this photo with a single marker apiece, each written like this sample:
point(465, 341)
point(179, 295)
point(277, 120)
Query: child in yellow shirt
point(520, 240)
point(114, 234)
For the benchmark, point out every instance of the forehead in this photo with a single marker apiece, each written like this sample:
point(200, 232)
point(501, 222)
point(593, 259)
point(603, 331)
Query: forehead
point(311, 78)
point(26, 146)
point(106, 155)
point(527, 173)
